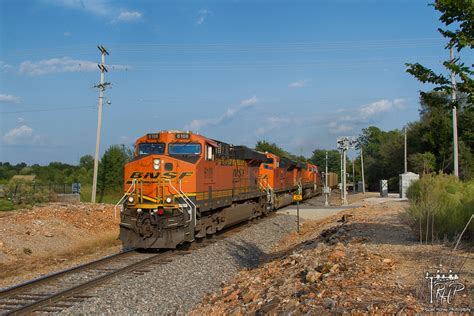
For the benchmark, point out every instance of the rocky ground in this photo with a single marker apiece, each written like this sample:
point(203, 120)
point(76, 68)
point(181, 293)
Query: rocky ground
point(53, 237)
point(180, 285)
point(365, 262)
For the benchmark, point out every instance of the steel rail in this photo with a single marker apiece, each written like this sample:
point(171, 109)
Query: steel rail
point(50, 277)
point(51, 299)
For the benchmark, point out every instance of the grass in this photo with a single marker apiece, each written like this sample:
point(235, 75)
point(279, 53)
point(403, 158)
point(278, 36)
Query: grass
point(440, 207)
point(6, 205)
point(107, 197)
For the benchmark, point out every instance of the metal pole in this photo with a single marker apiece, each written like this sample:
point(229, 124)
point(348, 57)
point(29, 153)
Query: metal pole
point(353, 177)
point(406, 168)
point(455, 120)
point(344, 189)
point(298, 216)
point(362, 169)
point(342, 195)
point(326, 182)
point(101, 87)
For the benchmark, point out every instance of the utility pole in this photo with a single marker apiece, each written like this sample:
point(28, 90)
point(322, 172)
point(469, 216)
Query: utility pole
point(101, 87)
point(406, 168)
point(342, 176)
point(353, 178)
point(455, 119)
point(344, 184)
point(344, 143)
point(362, 169)
point(326, 189)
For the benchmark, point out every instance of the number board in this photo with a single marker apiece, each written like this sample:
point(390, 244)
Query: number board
point(181, 136)
point(297, 197)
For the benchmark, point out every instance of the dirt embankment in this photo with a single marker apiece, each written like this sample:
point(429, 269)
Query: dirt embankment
point(52, 237)
point(365, 262)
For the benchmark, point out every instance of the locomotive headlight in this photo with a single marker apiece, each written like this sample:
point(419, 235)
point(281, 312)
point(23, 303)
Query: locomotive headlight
point(131, 199)
point(168, 200)
point(156, 164)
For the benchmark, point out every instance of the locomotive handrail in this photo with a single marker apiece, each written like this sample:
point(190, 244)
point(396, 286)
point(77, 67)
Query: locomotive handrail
point(183, 196)
point(193, 209)
point(121, 199)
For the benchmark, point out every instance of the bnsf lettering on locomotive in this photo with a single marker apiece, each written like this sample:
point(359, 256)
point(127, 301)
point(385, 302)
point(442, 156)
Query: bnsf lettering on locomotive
point(169, 175)
point(152, 175)
point(139, 175)
point(136, 175)
point(185, 174)
point(155, 175)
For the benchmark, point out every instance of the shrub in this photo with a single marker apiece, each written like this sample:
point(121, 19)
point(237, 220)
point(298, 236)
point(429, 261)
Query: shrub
point(440, 206)
point(6, 205)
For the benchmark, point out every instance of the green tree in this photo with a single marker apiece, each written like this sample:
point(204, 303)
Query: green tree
point(264, 146)
point(433, 132)
point(110, 179)
point(383, 156)
point(460, 14)
point(422, 163)
point(334, 160)
point(87, 162)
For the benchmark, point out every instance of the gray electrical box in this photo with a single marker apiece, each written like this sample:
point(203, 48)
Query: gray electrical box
point(360, 186)
point(405, 180)
point(383, 188)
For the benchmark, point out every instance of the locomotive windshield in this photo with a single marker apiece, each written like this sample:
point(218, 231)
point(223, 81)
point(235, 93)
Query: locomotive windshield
point(151, 148)
point(184, 149)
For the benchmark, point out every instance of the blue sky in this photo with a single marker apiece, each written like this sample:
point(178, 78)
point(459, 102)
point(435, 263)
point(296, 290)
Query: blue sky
point(298, 73)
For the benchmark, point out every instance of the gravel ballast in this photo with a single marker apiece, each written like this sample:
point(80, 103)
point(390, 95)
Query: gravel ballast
point(180, 285)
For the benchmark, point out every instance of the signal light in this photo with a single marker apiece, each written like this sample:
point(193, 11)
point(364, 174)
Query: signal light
point(161, 211)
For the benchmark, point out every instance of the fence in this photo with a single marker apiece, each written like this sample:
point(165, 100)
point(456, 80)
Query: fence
point(31, 192)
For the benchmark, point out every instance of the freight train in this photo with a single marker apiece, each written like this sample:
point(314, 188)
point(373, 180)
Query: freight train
point(182, 186)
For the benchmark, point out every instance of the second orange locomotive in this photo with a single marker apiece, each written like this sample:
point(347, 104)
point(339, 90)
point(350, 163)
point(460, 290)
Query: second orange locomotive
point(182, 186)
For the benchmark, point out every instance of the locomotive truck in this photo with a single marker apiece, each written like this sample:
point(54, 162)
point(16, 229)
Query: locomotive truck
point(182, 186)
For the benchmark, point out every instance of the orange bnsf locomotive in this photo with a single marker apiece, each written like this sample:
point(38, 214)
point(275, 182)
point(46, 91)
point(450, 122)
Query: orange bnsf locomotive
point(182, 186)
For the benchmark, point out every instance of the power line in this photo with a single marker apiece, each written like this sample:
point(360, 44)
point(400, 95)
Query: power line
point(50, 109)
point(231, 47)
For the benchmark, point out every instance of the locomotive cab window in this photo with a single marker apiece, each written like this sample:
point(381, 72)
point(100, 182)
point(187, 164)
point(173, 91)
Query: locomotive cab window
point(184, 149)
point(151, 149)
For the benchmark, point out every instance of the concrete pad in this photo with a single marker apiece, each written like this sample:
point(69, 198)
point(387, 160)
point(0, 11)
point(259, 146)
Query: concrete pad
point(314, 212)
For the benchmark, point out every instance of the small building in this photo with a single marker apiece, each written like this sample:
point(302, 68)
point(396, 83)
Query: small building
point(405, 181)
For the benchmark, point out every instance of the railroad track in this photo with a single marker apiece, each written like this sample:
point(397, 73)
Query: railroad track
point(58, 291)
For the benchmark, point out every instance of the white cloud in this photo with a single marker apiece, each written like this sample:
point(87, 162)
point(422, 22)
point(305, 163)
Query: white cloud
point(298, 84)
point(8, 98)
point(5, 67)
point(129, 16)
point(18, 134)
point(58, 65)
point(379, 107)
point(103, 8)
point(339, 127)
point(67, 34)
point(202, 16)
point(196, 125)
point(365, 114)
point(97, 7)
point(249, 102)
point(273, 123)
point(21, 120)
